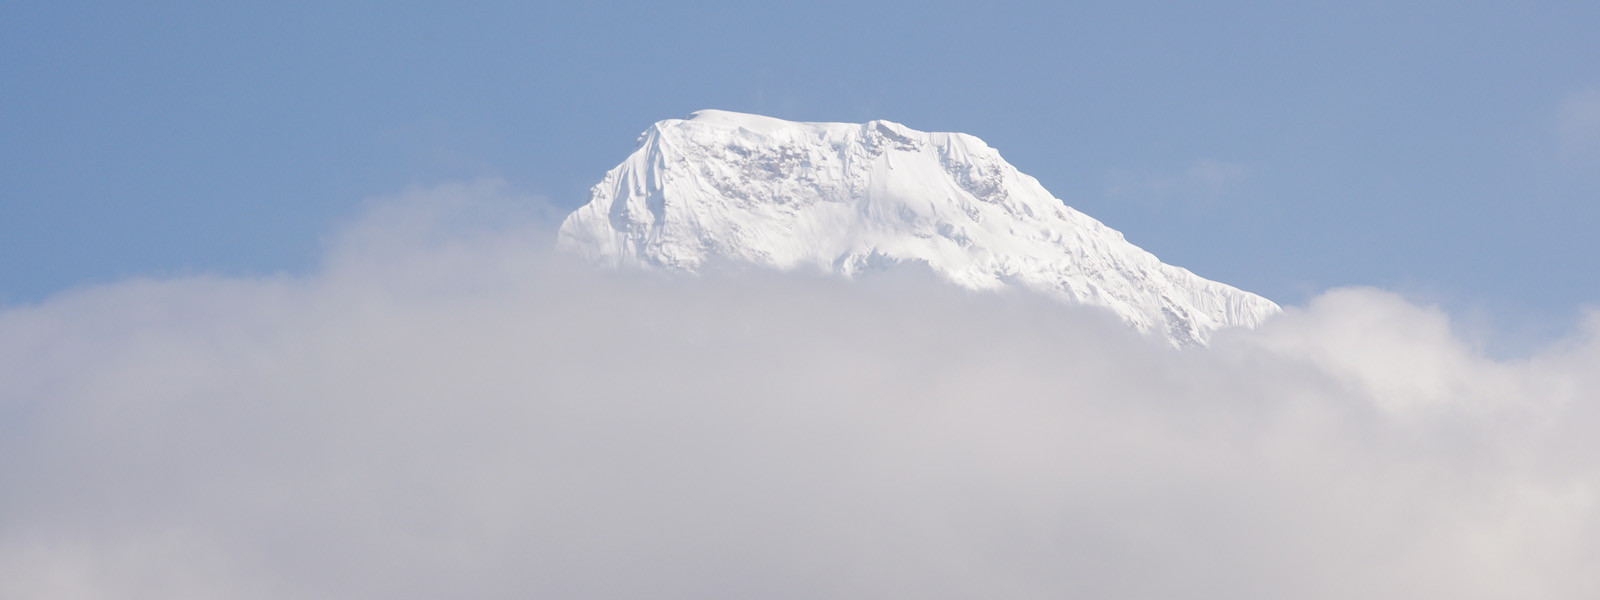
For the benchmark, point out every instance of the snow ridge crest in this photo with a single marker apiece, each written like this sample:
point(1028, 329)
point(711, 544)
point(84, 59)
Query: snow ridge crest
point(846, 197)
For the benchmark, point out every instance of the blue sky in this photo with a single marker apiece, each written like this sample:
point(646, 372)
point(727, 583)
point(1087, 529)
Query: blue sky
point(1450, 151)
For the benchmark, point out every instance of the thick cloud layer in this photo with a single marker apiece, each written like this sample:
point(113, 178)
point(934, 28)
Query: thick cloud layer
point(446, 410)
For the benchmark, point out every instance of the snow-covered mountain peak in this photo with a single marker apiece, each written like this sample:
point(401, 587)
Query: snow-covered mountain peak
point(753, 123)
point(849, 197)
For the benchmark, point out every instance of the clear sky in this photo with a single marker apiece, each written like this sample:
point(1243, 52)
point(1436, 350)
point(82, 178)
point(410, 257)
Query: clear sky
point(1450, 151)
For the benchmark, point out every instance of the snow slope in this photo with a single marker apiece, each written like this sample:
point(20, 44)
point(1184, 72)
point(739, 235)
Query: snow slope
point(845, 198)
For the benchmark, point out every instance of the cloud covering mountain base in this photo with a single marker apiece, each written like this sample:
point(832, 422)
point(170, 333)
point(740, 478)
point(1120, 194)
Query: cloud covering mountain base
point(446, 409)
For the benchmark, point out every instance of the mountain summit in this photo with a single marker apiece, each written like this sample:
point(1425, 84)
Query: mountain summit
point(845, 198)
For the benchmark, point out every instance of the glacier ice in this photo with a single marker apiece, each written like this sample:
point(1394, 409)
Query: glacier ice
point(845, 198)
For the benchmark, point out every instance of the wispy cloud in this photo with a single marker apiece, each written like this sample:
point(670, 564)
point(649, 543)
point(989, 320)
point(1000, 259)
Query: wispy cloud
point(447, 410)
point(1202, 181)
point(1578, 121)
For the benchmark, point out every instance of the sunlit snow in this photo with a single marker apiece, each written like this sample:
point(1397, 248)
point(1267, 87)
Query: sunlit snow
point(847, 198)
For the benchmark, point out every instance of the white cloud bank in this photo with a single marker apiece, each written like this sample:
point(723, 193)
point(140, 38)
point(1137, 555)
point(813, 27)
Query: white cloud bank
point(447, 411)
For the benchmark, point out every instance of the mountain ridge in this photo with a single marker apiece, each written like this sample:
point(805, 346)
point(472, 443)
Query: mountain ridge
point(848, 197)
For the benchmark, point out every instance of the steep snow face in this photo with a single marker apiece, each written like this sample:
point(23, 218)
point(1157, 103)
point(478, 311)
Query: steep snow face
point(844, 198)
